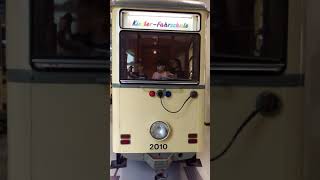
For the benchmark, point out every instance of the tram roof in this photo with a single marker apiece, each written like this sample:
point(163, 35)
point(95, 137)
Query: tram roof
point(164, 4)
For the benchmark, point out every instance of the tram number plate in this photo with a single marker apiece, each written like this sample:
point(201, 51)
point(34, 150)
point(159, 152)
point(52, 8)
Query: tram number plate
point(158, 146)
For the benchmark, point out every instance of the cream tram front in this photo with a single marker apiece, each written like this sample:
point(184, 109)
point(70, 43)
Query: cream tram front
point(160, 71)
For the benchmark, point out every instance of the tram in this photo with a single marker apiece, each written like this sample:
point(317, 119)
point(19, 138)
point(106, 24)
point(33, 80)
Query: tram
point(160, 80)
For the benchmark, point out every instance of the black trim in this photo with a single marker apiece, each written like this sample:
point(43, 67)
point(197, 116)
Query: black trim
point(288, 80)
point(242, 68)
point(160, 4)
point(29, 76)
point(158, 86)
point(187, 12)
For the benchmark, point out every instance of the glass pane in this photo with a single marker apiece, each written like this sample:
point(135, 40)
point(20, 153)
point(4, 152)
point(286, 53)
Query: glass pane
point(70, 29)
point(159, 56)
point(250, 29)
point(160, 21)
point(2, 7)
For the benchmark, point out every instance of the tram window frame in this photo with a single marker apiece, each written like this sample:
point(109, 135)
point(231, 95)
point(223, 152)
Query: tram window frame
point(58, 63)
point(248, 65)
point(163, 82)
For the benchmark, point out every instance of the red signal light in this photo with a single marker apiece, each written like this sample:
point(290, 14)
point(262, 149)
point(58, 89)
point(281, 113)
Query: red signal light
point(192, 141)
point(194, 136)
point(152, 94)
point(125, 141)
point(125, 136)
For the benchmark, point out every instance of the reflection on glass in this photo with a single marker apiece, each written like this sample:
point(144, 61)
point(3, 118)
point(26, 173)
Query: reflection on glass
point(158, 56)
point(249, 29)
point(69, 29)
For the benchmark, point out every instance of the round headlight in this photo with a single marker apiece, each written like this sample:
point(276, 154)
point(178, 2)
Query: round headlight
point(159, 130)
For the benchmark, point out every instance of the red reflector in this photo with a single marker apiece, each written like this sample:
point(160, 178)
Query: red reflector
point(192, 141)
point(152, 93)
point(125, 136)
point(193, 135)
point(125, 141)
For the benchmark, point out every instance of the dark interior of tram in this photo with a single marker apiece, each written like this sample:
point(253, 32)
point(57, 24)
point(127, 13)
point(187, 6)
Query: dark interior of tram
point(69, 29)
point(150, 49)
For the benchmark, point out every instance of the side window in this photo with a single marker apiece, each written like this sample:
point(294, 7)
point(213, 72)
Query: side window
point(69, 33)
point(249, 35)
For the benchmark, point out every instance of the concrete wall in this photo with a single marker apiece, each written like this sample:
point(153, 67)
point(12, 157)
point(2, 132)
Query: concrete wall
point(269, 148)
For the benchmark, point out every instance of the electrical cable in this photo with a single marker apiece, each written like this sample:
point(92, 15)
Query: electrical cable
point(267, 104)
point(116, 172)
point(177, 110)
point(239, 130)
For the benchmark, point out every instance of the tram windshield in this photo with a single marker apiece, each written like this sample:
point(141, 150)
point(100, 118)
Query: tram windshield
point(155, 56)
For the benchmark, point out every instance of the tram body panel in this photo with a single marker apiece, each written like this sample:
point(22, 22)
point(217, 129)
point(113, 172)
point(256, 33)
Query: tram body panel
point(137, 115)
point(134, 110)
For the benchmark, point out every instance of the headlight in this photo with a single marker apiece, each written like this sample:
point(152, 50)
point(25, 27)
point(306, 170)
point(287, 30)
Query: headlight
point(159, 130)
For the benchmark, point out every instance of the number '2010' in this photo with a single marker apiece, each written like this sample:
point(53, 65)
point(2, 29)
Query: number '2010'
point(158, 146)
